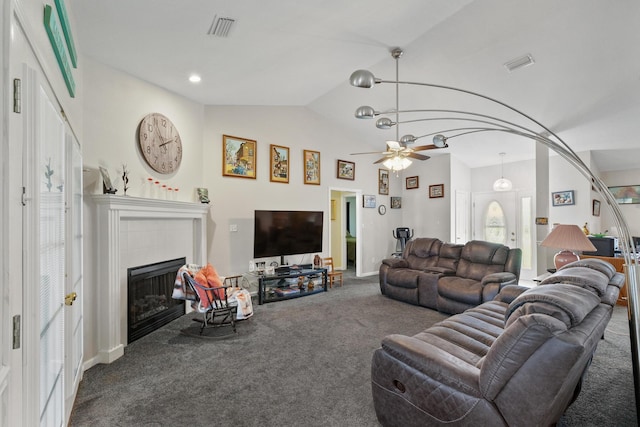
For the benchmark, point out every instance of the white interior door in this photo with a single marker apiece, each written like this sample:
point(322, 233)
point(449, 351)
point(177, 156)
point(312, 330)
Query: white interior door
point(463, 217)
point(50, 137)
point(74, 275)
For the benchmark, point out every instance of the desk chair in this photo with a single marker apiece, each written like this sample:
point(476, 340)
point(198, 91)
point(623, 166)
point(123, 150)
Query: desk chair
point(332, 275)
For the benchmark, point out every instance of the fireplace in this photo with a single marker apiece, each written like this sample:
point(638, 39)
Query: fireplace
point(149, 302)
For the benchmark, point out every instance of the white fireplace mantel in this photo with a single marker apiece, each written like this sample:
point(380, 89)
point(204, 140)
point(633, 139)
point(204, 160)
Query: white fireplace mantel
point(111, 212)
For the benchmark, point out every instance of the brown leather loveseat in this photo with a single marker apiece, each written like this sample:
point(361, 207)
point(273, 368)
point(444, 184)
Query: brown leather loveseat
point(448, 277)
point(515, 361)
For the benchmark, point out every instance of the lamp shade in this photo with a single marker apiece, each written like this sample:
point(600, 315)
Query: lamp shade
point(569, 238)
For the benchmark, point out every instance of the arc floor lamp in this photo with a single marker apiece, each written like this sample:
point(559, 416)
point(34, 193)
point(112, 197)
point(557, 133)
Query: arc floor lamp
point(479, 122)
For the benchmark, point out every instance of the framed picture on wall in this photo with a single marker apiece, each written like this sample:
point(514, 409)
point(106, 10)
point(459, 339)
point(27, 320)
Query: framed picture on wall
point(238, 157)
point(383, 181)
point(596, 207)
point(279, 163)
point(563, 198)
point(346, 170)
point(368, 201)
point(436, 191)
point(396, 202)
point(411, 182)
point(626, 194)
point(311, 167)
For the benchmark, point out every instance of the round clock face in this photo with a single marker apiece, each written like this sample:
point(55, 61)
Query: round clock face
point(160, 143)
point(382, 209)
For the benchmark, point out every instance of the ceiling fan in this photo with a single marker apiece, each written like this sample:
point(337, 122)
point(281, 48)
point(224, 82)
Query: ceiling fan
point(398, 149)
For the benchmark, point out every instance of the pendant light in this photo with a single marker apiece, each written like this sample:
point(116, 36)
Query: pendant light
point(502, 184)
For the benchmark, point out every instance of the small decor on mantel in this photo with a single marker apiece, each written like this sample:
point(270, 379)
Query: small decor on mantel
point(107, 187)
point(203, 195)
point(125, 178)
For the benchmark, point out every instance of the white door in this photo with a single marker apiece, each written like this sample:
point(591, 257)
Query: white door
point(463, 220)
point(73, 321)
point(507, 218)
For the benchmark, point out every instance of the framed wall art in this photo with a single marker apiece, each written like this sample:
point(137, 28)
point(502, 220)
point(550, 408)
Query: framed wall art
point(411, 182)
point(346, 170)
point(311, 167)
point(368, 201)
point(383, 181)
point(595, 210)
point(626, 194)
point(279, 163)
point(396, 202)
point(436, 191)
point(238, 157)
point(563, 198)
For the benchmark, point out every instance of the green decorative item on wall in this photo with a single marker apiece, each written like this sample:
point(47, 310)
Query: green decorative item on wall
point(66, 29)
point(52, 26)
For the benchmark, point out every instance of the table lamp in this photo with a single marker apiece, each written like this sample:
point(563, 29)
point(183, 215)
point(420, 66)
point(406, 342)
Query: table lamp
point(569, 238)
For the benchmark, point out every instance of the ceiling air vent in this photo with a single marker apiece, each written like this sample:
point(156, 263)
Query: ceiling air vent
point(220, 27)
point(523, 61)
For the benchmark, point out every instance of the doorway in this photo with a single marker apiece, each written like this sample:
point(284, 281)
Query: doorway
point(506, 218)
point(344, 246)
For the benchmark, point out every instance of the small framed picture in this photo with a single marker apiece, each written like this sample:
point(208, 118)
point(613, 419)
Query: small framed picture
point(346, 170)
point(311, 167)
point(596, 207)
point(368, 201)
point(563, 198)
point(396, 202)
point(436, 191)
point(203, 194)
point(411, 182)
point(383, 181)
point(626, 194)
point(279, 163)
point(107, 187)
point(238, 157)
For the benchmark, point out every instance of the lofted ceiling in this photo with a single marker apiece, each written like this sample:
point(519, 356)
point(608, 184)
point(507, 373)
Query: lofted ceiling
point(584, 84)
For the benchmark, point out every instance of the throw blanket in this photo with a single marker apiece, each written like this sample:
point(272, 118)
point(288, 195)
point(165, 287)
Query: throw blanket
point(208, 277)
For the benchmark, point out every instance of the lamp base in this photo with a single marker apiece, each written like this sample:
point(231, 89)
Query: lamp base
point(563, 258)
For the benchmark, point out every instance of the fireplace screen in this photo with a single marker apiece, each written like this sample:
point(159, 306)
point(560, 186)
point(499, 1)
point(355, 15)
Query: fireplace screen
point(149, 301)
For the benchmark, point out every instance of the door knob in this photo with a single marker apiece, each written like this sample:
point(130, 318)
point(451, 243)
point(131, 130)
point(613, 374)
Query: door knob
point(70, 298)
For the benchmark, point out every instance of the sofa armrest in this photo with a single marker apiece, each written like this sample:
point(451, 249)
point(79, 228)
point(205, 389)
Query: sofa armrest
point(510, 293)
point(440, 270)
point(502, 279)
point(433, 362)
point(396, 262)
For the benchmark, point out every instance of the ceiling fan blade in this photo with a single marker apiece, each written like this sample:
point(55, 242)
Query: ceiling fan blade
point(426, 147)
point(370, 152)
point(418, 156)
point(380, 160)
point(394, 145)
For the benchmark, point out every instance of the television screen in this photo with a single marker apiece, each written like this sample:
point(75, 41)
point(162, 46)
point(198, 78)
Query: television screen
point(604, 246)
point(278, 233)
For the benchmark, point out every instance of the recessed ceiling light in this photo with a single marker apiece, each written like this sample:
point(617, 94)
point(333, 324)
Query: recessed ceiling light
point(194, 78)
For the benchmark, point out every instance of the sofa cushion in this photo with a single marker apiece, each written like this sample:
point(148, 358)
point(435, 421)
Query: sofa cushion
point(479, 258)
point(402, 277)
point(594, 263)
point(422, 253)
point(568, 303)
point(583, 277)
point(449, 256)
point(467, 291)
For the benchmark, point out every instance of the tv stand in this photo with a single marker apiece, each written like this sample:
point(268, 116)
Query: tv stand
point(285, 285)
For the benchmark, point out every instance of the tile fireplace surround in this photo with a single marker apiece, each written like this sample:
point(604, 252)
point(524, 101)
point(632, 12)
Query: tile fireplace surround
point(133, 231)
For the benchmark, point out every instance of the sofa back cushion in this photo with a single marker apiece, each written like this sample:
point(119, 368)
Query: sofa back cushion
point(479, 258)
point(422, 253)
point(449, 256)
point(549, 336)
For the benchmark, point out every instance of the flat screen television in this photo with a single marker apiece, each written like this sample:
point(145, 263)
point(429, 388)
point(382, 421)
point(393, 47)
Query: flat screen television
point(604, 246)
point(280, 233)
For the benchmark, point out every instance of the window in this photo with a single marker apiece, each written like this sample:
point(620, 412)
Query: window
point(495, 224)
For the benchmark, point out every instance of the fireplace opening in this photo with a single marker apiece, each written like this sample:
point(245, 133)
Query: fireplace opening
point(149, 302)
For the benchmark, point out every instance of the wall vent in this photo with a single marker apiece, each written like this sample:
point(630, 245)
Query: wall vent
point(220, 27)
point(521, 62)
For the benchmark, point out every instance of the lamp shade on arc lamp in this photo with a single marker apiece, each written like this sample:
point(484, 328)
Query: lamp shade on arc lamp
point(569, 238)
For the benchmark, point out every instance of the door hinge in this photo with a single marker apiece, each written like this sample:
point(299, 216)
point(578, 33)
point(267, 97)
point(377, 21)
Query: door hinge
point(23, 198)
point(16, 331)
point(17, 96)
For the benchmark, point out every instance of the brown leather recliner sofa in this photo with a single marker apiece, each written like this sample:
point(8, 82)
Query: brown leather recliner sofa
point(517, 360)
point(449, 277)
